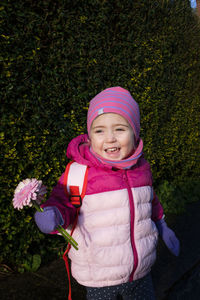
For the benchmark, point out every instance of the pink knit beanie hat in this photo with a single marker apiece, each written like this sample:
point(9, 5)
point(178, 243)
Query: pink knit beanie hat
point(115, 100)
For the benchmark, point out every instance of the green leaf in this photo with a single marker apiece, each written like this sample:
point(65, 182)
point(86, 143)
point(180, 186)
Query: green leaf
point(36, 262)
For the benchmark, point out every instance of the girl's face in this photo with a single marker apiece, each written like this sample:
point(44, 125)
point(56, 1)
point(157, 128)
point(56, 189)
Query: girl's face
point(112, 137)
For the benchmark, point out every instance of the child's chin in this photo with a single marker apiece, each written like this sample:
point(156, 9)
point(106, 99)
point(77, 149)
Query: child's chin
point(112, 156)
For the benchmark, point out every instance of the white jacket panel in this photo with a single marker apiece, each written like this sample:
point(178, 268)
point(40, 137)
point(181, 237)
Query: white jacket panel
point(105, 255)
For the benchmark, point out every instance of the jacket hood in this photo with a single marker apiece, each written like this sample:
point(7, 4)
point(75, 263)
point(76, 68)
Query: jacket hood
point(79, 150)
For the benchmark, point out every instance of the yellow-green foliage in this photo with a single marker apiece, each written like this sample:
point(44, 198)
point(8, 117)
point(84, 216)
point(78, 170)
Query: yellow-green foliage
point(57, 55)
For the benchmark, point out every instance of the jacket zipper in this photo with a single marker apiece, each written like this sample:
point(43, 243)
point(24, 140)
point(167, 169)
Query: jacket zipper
point(132, 217)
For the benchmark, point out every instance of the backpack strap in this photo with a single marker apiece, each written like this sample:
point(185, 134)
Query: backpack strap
point(75, 182)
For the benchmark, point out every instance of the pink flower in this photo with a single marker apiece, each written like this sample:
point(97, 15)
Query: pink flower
point(31, 192)
point(28, 190)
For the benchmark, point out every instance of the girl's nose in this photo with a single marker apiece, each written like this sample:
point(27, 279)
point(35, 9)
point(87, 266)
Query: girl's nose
point(110, 137)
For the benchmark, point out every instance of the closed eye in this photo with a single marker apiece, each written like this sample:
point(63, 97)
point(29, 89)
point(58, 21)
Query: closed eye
point(99, 131)
point(120, 129)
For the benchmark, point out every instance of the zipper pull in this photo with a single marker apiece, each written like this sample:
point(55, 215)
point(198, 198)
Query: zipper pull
point(125, 176)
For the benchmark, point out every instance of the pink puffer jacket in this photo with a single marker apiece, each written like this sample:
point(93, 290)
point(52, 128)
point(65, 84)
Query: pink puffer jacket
point(116, 233)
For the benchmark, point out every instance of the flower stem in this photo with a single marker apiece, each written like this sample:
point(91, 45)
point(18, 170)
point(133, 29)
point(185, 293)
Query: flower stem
point(67, 236)
point(37, 207)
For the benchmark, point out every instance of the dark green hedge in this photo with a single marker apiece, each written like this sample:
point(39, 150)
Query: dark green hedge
point(55, 56)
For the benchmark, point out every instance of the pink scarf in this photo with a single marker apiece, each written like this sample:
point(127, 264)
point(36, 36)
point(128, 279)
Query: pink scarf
point(124, 163)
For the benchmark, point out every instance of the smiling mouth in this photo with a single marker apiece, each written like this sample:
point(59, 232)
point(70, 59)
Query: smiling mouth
point(112, 150)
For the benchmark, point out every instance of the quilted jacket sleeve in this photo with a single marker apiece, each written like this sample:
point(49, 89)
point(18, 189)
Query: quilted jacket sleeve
point(59, 199)
point(157, 209)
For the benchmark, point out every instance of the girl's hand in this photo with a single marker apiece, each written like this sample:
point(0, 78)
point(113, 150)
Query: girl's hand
point(168, 237)
point(48, 220)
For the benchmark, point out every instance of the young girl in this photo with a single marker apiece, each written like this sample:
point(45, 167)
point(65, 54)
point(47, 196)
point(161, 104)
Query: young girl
point(120, 217)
